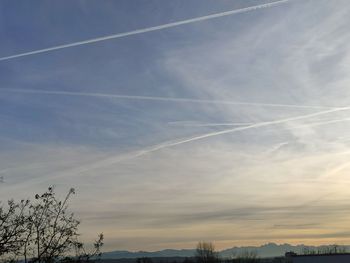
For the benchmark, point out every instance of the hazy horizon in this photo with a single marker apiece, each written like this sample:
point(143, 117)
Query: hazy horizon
point(230, 247)
point(181, 121)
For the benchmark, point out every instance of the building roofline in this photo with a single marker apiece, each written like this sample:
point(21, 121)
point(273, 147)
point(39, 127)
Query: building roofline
point(321, 255)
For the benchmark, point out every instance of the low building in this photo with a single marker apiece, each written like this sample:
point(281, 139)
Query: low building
point(321, 258)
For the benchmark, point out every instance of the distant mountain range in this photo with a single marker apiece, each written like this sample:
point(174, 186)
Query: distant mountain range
point(267, 250)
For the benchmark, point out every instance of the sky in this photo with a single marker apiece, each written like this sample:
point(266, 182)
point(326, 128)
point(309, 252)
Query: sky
point(232, 129)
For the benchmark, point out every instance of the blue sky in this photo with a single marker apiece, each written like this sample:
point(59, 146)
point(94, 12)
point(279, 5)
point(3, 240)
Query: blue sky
point(251, 147)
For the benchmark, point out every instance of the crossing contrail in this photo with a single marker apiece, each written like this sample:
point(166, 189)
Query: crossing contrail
point(116, 159)
point(200, 124)
point(164, 99)
point(132, 155)
point(319, 123)
point(145, 30)
point(237, 129)
point(313, 124)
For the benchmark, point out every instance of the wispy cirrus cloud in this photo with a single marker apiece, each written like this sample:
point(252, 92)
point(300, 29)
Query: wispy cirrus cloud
point(192, 133)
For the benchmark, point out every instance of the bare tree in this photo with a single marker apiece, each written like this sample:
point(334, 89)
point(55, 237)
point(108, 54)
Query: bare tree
point(205, 253)
point(12, 226)
point(82, 255)
point(43, 231)
point(51, 230)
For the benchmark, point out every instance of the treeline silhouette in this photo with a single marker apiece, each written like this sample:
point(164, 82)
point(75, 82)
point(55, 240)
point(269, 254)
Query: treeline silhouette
point(327, 250)
point(206, 253)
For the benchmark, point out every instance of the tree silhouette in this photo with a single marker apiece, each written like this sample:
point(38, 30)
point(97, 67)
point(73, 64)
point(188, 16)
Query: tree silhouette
point(205, 253)
point(12, 226)
point(81, 255)
point(51, 229)
point(43, 231)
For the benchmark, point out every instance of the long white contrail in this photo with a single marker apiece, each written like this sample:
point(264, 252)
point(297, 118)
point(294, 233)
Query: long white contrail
point(194, 124)
point(256, 125)
point(132, 155)
point(318, 123)
point(129, 156)
point(145, 30)
point(147, 150)
point(165, 99)
point(200, 124)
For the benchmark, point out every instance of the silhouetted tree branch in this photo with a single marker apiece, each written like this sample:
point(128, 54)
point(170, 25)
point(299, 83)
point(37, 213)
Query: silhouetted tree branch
point(83, 256)
point(43, 231)
point(12, 226)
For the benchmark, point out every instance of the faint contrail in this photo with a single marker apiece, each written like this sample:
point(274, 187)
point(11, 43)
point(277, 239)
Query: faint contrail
point(129, 156)
point(336, 170)
point(237, 129)
point(147, 150)
point(312, 124)
point(211, 134)
point(153, 98)
point(199, 124)
point(278, 146)
point(320, 123)
point(275, 148)
point(145, 30)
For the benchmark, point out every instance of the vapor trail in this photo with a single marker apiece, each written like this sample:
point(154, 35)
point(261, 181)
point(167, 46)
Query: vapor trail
point(275, 148)
point(319, 123)
point(278, 146)
point(313, 124)
point(145, 30)
point(199, 124)
point(237, 129)
point(147, 150)
point(132, 155)
point(336, 170)
point(165, 99)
